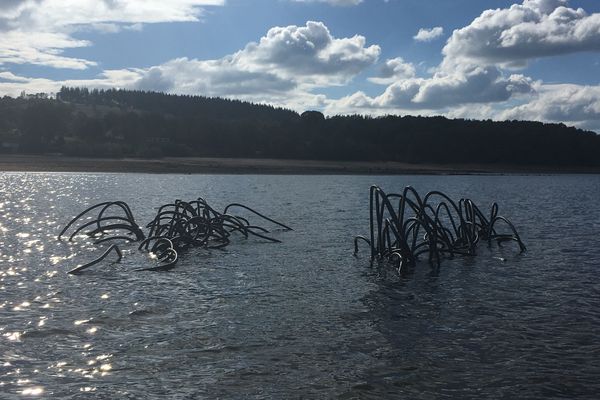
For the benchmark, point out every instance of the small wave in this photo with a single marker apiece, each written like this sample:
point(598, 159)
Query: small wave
point(140, 313)
point(43, 333)
point(145, 312)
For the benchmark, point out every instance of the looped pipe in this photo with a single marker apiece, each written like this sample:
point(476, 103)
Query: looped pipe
point(177, 226)
point(404, 226)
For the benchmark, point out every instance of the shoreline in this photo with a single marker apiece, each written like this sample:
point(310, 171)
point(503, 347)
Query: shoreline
point(213, 165)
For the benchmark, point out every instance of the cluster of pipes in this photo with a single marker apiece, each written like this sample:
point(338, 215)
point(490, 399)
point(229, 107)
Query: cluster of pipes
point(402, 227)
point(405, 226)
point(177, 226)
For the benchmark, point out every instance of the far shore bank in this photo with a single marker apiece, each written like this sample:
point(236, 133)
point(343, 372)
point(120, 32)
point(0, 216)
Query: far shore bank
point(202, 165)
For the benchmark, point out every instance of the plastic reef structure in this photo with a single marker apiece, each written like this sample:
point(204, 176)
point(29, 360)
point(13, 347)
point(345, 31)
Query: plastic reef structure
point(177, 226)
point(405, 226)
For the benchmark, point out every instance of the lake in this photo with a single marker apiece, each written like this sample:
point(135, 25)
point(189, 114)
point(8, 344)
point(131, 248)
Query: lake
point(302, 318)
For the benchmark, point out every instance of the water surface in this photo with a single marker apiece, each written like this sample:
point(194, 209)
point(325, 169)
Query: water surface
point(304, 318)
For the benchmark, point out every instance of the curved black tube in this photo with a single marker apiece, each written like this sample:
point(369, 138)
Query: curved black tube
point(356, 239)
point(257, 213)
point(80, 268)
point(176, 226)
point(419, 225)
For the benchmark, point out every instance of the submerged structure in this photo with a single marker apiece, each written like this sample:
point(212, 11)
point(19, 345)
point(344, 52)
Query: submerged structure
point(177, 226)
point(405, 226)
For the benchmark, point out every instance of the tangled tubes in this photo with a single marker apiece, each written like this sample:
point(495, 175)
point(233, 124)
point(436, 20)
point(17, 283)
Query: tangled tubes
point(405, 226)
point(177, 226)
point(107, 225)
point(180, 225)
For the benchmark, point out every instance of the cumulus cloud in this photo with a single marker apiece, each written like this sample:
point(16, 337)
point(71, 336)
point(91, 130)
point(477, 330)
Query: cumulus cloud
point(472, 85)
point(309, 52)
point(427, 35)
point(286, 59)
point(222, 77)
point(283, 67)
point(38, 31)
point(478, 58)
point(536, 28)
point(577, 105)
point(441, 92)
point(573, 104)
point(289, 64)
point(393, 70)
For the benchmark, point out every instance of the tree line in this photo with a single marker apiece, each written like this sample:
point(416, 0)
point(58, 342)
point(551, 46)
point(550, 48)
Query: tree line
point(118, 123)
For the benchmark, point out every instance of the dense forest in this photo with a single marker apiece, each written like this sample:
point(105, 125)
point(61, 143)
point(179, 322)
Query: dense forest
point(118, 123)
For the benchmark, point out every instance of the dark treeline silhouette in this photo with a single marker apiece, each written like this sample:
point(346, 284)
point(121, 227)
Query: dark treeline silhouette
point(115, 123)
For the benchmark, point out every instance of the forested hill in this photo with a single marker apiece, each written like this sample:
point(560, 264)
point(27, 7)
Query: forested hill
point(115, 123)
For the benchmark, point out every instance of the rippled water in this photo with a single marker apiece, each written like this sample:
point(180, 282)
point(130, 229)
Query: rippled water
point(300, 319)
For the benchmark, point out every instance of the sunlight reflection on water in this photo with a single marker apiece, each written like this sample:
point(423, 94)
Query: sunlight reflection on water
point(304, 317)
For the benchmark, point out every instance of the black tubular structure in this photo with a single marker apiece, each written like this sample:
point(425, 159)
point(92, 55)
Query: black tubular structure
point(121, 221)
point(80, 268)
point(177, 226)
point(404, 226)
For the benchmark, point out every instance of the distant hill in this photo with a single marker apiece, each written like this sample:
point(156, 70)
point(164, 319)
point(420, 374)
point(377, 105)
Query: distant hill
point(115, 123)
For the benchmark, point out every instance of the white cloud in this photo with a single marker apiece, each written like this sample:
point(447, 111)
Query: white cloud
point(576, 105)
point(283, 67)
point(43, 48)
point(286, 59)
point(309, 52)
point(289, 64)
point(474, 77)
point(441, 92)
point(57, 13)
point(393, 70)
point(221, 77)
point(427, 35)
point(38, 31)
point(572, 104)
point(510, 37)
point(469, 85)
point(13, 85)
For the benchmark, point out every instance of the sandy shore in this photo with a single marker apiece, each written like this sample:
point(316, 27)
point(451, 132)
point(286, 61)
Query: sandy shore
point(50, 163)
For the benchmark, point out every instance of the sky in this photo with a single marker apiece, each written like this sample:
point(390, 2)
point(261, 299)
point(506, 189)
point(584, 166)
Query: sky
point(480, 59)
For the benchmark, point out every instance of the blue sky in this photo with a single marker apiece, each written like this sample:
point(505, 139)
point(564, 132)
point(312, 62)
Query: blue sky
point(520, 59)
